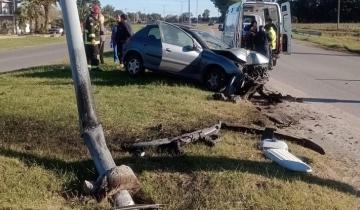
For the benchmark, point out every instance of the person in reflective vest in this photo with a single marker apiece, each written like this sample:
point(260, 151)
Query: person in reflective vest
point(92, 34)
point(271, 34)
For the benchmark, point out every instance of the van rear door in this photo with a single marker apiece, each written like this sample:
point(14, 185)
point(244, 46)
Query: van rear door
point(286, 27)
point(231, 27)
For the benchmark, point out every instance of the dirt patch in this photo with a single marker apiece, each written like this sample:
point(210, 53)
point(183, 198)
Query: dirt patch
point(327, 127)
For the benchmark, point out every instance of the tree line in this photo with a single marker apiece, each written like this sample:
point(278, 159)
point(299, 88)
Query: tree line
point(311, 11)
point(36, 12)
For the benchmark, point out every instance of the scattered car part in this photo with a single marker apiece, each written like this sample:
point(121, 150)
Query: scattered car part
point(287, 160)
point(268, 141)
point(258, 131)
point(142, 206)
point(277, 151)
point(273, 144)
point(209, 136)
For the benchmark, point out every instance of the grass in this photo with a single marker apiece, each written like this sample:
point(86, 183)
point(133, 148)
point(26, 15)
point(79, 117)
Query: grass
point(28, 41)
point(137, 27)
point(347, 38)
point(43, 161)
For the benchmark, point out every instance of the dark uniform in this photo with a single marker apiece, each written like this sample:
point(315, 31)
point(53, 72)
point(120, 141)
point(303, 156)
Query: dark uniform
point(261, 44)
point(92, 41)
point(124, 32)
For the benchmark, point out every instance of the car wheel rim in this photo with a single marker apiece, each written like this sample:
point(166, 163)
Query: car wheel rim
point(134, 66)
point(213, 80)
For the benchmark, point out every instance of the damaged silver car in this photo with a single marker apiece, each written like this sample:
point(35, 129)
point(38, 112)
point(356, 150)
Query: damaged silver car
point(190, 53)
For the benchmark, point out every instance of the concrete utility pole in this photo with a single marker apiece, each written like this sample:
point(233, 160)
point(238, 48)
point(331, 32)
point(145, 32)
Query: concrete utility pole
point(338, 17)
point(189, 14)
point(197, 11)
point(91, 129)
point(14, 15)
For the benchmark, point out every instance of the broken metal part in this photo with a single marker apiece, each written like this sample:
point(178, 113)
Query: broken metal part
point(255, 77)
point(232, 98)
point(297, 140)
point(276, 97)
point(268, 141)
point(268, 134)
point(142, 206)
point(113, 181)
point(174, 145)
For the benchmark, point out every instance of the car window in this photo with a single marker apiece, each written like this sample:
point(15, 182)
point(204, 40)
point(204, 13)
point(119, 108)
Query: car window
point(211, 41)
point(154, 33)
point(175, 36)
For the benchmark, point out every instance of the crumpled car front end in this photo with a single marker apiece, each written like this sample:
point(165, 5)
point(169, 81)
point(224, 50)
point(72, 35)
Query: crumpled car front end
point(253, 65)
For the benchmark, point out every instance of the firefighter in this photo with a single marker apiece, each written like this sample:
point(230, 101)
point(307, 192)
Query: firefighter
point(92, 32)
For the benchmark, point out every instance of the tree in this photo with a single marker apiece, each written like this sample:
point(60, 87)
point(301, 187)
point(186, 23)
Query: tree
point(30, 10)
point(46, 5)
point(223, 6)
point(185, 16)
point(172, 18)
point(110, 14)
point(84, 7)
point(155, 16)
point(206, 15)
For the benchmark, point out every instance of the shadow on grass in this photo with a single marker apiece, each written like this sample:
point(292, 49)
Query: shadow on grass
point(104, 78)
point(185, 164)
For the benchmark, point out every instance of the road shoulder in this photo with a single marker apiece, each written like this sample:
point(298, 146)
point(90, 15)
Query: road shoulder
point(334, 129)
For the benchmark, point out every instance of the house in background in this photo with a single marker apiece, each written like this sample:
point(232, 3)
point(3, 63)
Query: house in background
point(8, 16)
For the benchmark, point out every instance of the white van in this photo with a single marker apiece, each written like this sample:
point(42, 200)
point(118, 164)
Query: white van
point(241, 14)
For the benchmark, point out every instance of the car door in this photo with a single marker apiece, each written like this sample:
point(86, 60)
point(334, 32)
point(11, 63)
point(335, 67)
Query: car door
point(153, 48)
point(178, 51)
point(286, 27)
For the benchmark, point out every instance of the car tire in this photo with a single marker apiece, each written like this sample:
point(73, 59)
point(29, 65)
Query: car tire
point(215, 80)
point(134, 65)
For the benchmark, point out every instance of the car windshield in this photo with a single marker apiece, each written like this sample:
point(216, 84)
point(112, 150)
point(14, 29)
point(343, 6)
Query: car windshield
point(212, 41)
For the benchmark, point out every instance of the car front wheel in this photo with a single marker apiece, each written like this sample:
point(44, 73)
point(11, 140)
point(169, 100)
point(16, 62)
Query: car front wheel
point(215, 80)
point(134, 65)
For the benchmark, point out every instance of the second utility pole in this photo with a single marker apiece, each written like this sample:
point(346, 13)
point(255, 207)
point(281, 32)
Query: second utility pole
point(189, 14)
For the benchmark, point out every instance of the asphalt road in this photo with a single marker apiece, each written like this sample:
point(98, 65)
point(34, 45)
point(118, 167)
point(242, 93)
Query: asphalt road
point(320, 76)
point(32, 56)
point(35, 56)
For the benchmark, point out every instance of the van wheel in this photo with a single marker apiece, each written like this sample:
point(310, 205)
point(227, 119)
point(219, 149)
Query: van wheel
point(134, 65)
point(215, 80)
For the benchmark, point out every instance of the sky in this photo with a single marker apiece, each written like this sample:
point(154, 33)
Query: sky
point(174, 7)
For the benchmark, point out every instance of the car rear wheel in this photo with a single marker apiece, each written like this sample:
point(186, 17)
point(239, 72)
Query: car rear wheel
point(134, 65)
point(215, 80)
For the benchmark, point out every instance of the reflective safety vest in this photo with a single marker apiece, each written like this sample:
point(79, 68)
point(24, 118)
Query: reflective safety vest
point(272, 38)
point(92, 31)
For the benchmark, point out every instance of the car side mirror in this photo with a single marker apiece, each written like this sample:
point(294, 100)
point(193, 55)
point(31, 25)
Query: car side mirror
point(221, 27)
point(188, 48)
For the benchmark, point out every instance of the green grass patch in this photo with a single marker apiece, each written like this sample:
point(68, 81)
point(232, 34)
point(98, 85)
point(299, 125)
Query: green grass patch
point(351, 44)
point(28, 41)
point(43, 160)
point(137, 27)
point(346, 38)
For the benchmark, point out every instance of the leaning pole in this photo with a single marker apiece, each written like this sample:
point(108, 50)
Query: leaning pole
point(91, 130)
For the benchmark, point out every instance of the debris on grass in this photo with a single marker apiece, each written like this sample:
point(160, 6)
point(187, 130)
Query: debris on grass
point(209, 136)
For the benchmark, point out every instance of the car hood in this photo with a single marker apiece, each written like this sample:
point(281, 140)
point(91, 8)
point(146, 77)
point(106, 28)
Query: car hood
point(243, 56)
